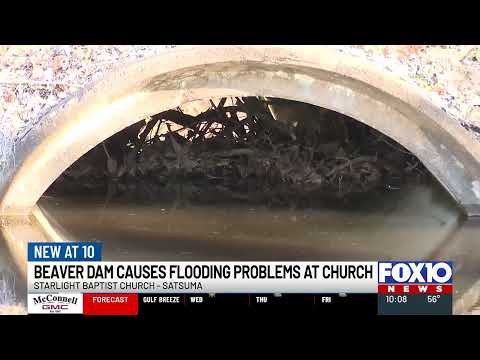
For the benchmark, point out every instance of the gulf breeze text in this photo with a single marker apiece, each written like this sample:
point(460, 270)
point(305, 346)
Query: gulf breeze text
point(173, 277)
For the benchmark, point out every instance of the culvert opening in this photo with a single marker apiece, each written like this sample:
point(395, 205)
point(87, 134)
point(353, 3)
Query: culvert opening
point(254, 150)
point(252, 179)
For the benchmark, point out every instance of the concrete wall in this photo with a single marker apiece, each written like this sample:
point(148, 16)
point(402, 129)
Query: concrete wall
point(37, 78)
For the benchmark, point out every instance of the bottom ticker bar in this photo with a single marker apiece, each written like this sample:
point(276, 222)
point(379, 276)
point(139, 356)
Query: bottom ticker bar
point(147, 305)
point(158, 304)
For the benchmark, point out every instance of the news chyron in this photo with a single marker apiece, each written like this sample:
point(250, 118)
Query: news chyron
point(72, 278)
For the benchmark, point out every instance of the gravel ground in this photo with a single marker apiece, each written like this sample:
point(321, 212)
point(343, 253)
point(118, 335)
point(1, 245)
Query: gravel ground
point(33, 78)
point(449, 75)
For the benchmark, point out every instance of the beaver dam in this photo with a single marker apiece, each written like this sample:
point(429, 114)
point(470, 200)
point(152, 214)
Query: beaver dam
point(250, 149)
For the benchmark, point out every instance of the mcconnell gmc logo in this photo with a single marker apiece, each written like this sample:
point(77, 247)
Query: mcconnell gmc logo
point(55, 303)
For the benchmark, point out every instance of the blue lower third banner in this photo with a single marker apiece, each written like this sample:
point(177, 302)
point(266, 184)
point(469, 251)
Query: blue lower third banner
point(81, 251)
point(72, 278)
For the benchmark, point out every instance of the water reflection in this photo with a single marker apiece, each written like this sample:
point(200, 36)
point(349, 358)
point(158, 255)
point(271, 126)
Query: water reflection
point(407, 225)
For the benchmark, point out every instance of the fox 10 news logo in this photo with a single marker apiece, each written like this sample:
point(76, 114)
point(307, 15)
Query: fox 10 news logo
point(415, 277)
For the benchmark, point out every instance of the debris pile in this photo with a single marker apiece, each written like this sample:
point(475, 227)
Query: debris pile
point(244, 150)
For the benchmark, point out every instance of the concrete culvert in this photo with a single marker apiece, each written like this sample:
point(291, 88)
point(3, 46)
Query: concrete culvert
point(318, 76)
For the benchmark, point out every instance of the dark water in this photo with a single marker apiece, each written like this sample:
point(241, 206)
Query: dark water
point(416, 222)
point(406, 224)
